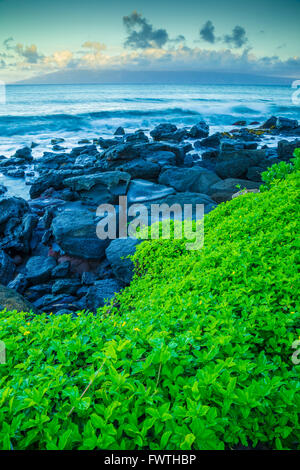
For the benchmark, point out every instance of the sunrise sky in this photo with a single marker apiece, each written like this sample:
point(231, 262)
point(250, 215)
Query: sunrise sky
point(39, 37)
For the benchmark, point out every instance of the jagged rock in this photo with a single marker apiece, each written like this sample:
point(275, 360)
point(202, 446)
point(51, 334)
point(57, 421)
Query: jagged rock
point(194, 180)
point(119, 131)
point(236, 164)
point(142, 190)
point(61, 270)
point(286, 124)
point(24, 154)
point(12, 207)
point(137, 137)
point(102, 187)
point(39, 268)
point(102, 292)
point(213, 141)
point(88, 278)
point(12, 300)
point(19, 283)
point(163, 131)
point(66, 286)
point(141, 168)
point(7, 268)
point(223, 190)
point(3, 189)
point(269, 123)
point(199, 131)
point(117, 254)
point(74, 230)
point(286, 149)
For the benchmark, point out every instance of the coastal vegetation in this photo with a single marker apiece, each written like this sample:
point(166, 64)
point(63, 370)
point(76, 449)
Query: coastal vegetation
point(196, 353)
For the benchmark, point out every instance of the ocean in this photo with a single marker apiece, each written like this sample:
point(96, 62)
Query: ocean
point(38, 113)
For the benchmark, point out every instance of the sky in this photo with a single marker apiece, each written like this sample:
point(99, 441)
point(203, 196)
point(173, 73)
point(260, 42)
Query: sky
point(258, 36)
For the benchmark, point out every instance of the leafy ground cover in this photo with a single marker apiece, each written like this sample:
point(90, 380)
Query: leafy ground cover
point(195, 354)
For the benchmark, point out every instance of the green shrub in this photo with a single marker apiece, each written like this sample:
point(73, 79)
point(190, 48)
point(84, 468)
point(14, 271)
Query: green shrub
point(280, 170)
point(194, 354)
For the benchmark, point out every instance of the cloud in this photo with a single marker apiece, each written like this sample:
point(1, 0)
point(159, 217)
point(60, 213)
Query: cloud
point(141, 34)
point(94, 45)
point(207, 32)
point(30, 53)
point(238, 37)
point(59, 59)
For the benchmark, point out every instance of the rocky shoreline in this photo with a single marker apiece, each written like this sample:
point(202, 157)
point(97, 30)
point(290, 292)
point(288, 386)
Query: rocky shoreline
point(51, 259)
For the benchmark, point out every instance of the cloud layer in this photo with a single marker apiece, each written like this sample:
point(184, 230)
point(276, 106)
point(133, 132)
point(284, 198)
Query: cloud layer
point(150, 48)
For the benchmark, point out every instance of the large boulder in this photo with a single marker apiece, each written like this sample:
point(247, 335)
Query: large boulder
point(141, 168)
point(7, 268)
point(117, 254)
point(235, 164)
point(199, 130)
point(286, 124)
point(286, 148)
point(269, 123)
point(12, 207)
point(224, 189)
point(39, 268)
point(100, 188)
point(24, 154)
point(74, 230)
point(163, 131)
point(141, 190)
point(12, 300)
point(101, 293)
point(194, 180)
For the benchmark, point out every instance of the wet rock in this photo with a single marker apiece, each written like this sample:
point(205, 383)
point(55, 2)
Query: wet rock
point(254, 173)
point(269, 123)
point(213, 141)
point(12, 300)
point(57, 140)
point(83, 141)
point(236, 164)
point(19, 283)
point(286, 149)
point(286, 124)
point(240, 123)
point(117, 254)
point(16, 173)
point(3, 189)
point(163, 131)
point(199, 131)
point(61, 270)
point(39, 268)
point(108, 143)
point(85, 161)
point(101, 293)
point(66, 286)
point(223, 190)
point(137, 137)
point(7, 268)
point(74, 230)
point(141, 168)
point(119, 131)
point(12, 207)
point(194, 180)
point(24, 154)
point(88, 278)
point(162, 158)
point(34, 293)
point(142, 190)
point(102, 187)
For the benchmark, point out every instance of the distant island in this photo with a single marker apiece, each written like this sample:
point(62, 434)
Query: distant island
point(88, 76)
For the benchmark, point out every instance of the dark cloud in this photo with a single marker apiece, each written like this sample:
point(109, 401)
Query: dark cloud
point(207, 32)
point(238, 37)
point(30, 53)
point(141, 34)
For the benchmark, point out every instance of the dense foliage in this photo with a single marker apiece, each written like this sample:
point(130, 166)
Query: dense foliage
point(195, 353)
